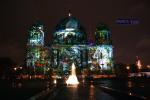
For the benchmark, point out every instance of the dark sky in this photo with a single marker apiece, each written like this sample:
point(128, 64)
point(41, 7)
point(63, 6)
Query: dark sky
point(129, 41)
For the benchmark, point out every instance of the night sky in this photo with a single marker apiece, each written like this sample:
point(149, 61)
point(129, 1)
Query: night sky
point(129, 40)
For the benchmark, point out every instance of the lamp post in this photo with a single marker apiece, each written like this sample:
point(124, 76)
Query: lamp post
point(102, 68)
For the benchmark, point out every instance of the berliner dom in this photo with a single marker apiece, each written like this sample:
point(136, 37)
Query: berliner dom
point(69, 45)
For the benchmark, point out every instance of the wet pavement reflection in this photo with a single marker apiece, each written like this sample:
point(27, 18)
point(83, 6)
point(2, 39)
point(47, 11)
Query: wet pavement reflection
point(82, 92)
point(91, 94)
point(16, 84)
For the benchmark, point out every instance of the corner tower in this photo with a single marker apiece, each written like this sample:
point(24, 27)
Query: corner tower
point(101, 53)
point(102, 35)
point(35, 45)
point(104, 48)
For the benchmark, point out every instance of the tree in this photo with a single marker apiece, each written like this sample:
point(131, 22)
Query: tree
point(6, 67)
point(133, 68)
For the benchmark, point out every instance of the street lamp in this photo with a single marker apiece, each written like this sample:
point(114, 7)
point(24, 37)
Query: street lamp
point(128, 67)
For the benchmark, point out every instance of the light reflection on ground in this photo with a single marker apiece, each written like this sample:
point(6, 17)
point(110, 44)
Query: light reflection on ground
point(91, 94)
point(16, 85)
point(83, 92)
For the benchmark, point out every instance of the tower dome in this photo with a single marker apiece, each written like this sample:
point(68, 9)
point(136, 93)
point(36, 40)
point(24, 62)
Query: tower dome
point(102, 34)
point(36, 34)
point(69, 31)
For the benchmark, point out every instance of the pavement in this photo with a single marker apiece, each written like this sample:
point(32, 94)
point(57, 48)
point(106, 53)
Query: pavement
point(80, 92)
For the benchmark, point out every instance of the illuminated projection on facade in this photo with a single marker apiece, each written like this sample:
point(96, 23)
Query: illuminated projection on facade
point(101, 54)
point(37, 53)
point(69, 45)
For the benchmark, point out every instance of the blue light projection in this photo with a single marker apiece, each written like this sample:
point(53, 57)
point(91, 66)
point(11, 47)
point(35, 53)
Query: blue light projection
point(37, 53)
point(69, 45)
point(36, 35)
point(101, 57)
point(69, 31)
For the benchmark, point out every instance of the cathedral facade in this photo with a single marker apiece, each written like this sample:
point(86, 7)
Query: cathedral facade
point(69, 45)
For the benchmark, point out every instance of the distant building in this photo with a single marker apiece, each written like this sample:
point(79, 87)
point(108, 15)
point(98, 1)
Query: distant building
point(138, 63)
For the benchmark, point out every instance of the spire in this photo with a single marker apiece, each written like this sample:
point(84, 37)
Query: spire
point(69, 14)
point(138, 62)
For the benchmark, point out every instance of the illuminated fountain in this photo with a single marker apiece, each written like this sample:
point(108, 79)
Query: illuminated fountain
point(72, 80)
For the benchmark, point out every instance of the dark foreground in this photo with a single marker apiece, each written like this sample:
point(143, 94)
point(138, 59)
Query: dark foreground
point(101, 89)
point(90, 91)
point(21, 89)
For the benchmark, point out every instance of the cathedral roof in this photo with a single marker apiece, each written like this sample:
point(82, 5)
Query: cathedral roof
point(69, 27)
point(69, 22)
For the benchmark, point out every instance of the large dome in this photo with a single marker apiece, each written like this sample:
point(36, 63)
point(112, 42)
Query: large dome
point(69, 31)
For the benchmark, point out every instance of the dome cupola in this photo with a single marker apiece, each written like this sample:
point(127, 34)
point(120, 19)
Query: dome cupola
point(69, 31)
